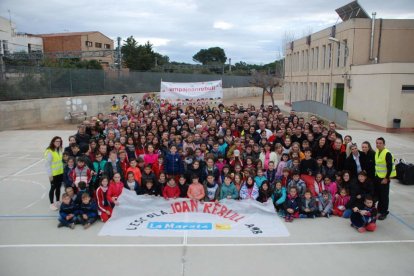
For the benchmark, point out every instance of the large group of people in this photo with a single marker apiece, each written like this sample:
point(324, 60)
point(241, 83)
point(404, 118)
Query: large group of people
point(306, 168)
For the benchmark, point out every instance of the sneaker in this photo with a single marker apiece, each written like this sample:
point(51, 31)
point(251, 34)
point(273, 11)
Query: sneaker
point(53, 207)
point(60, 225)
point(86, 226)
point(382, 216)
point(362, 229)
point(72, 226)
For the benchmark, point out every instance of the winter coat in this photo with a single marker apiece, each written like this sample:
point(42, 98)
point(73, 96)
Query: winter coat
point(229, 190)
point(279, 196)
point(173, 164)
point(310, 204)
point(249, 193)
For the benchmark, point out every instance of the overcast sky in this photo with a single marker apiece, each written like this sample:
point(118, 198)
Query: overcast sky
point(250, 31)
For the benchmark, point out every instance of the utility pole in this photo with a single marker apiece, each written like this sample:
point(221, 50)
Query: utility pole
point(119, 57)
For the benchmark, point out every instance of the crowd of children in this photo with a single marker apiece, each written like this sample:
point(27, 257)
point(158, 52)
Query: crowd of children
point(306, 169)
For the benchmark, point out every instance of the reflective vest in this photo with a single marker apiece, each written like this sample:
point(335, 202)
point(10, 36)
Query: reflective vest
point(381, 164)
point(57, 164)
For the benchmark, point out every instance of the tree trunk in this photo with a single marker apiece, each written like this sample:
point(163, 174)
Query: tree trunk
point(263, 95)
point(271, 96)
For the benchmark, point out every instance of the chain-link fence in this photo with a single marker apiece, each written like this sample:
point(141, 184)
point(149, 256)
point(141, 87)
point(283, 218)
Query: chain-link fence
point(22, 82)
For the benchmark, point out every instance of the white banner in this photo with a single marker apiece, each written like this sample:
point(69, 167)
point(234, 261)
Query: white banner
point(194, 93)
point(155, 216)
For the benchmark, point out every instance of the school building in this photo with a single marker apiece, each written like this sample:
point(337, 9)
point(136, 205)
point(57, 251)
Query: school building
point(84, 45)
point(363, 65)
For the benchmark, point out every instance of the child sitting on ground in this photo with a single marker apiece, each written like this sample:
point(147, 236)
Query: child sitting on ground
point(171, 190)
point(308, 208)
point(292, 205)
point(330, 186)
point(87, 211)
point(340, 202)
point(249, 190)
point(67, 212)
point(363, 219)
point(325, 204)
point(279, 198)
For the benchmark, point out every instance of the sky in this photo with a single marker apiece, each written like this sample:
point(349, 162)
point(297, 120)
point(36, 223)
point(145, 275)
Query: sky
point(249, 31)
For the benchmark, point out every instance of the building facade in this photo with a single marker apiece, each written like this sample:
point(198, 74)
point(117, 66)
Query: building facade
point(12, 41)
point(83, 45)
point(356, 66)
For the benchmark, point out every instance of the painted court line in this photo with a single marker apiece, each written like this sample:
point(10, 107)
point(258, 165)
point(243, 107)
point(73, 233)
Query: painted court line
point(25, 169)
point(203, 245)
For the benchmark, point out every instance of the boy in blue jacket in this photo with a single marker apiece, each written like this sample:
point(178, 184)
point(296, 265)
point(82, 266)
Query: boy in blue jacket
point(292, 204)
point(87, 211)
point(173, 164)
point(67, 212)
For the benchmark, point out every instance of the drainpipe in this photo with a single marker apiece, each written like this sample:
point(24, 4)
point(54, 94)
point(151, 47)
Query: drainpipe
point(371, 46)
point(379, 41)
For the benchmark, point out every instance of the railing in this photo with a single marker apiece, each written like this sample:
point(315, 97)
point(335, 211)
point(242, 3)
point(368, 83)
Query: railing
point(20, 83)
point(327, 112)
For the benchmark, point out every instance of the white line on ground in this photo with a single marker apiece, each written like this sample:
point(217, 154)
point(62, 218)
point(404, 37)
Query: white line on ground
point(206, 245)
point(25, 169)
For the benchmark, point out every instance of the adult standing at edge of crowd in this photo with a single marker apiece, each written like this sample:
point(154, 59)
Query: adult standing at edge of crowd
point(384, 170)
point(54, 169)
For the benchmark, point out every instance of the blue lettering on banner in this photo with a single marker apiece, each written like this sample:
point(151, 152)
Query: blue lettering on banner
point(180, 226)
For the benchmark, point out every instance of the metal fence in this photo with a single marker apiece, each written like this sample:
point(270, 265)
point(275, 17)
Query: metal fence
point(22, 82)
point(325, 111)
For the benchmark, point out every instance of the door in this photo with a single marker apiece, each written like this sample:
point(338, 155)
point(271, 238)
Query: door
point(338, 97)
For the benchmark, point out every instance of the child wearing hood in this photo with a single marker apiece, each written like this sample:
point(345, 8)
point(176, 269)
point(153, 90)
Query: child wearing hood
point(298, 183)
point(292, 204)
point(325, 204)
point(265, 192)
point(171, 190)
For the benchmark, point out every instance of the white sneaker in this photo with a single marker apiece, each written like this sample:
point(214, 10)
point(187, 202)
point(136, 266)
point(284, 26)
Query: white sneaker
point(53, 207)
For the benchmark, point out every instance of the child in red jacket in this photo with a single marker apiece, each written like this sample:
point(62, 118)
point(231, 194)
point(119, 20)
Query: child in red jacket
point(340, 203)
point(171, 190)
point(115, 190)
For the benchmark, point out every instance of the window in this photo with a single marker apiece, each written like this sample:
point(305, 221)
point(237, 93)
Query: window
point(316, 58)
point(345, 51)
point(306, 60)
point(407, 89)
point(107, 46)
point(329, 55)
point(311, 59)
point(98, 45)
point(323, 57)
point(88, 43)
point(338, 54)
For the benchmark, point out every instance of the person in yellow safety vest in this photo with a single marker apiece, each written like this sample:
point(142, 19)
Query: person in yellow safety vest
point(384, 171)
point(54, 169)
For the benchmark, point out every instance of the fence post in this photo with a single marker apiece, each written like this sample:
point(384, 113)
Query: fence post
point(70, 81)
point(103, 81)
point(50, 81)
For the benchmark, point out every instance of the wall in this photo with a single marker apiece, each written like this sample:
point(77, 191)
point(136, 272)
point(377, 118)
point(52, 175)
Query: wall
point(375, 96)
point(51, 111)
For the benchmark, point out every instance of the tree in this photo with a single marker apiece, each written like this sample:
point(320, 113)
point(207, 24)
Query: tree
point(214, 55)
point(141, 57)
point(267, 82)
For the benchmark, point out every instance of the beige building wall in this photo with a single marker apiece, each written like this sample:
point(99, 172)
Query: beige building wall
point(313, 70)
point(98, 43)
point(376, 95)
